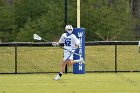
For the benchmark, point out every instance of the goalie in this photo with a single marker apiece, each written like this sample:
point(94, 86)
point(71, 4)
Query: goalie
point(71, 43)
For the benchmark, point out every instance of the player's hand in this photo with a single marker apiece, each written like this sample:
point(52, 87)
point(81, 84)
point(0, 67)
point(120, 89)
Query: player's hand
point(55, 44)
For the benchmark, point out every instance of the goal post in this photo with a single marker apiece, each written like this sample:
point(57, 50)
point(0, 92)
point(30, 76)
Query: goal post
point(78, 13)
point(79, 68)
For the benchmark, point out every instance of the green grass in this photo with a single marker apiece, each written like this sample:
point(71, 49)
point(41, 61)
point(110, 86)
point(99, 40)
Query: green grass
point(71, 83)
point(48, 59)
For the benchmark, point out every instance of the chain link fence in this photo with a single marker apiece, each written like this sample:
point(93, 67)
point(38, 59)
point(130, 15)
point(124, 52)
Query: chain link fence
point(42, 58)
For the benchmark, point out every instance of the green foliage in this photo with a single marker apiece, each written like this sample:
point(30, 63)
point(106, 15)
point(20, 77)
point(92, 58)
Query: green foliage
point(48, 25)
point(102, 19)
point(6, 22)
point(109, 20)
point(28, 9)
point(26, 32)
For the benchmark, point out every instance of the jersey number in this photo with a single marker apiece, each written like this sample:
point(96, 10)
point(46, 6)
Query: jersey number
point(67, 43)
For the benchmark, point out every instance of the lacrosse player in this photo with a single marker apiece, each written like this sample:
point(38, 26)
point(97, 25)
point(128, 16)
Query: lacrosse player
point(71, 43)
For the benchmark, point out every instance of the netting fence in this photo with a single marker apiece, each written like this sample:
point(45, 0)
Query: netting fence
point(101, 56)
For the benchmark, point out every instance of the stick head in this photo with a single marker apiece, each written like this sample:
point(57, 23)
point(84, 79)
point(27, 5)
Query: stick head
point(37, 37)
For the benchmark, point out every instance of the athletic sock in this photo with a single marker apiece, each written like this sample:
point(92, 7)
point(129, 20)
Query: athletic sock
point(60, 74)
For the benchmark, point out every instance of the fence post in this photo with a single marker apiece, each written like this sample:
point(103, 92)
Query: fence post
point(66, 19)
point(15, 59)
point(115, 58)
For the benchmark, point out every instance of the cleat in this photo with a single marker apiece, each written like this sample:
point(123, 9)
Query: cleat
point(57, 77)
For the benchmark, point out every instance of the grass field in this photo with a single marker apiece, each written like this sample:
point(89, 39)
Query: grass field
point(47, 59)
point(71, 83)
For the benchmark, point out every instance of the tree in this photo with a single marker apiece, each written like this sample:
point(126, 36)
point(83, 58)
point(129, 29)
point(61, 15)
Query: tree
point(108, 20)
point(6, 21)
point(102, 19)
point(48, 24)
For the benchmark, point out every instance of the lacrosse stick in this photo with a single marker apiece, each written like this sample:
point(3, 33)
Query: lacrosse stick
point(37, 37)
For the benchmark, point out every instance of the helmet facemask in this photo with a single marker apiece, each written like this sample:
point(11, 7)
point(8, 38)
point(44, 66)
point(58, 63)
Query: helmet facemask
point(69, 29)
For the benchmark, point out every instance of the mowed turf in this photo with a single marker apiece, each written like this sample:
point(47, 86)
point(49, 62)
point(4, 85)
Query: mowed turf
point(48, 59)
point(71, 83)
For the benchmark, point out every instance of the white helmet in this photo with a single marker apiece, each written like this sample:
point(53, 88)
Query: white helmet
point(69, 29)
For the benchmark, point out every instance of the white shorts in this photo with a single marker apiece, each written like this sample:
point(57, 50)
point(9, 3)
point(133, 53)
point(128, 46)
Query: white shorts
point(67, 55)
